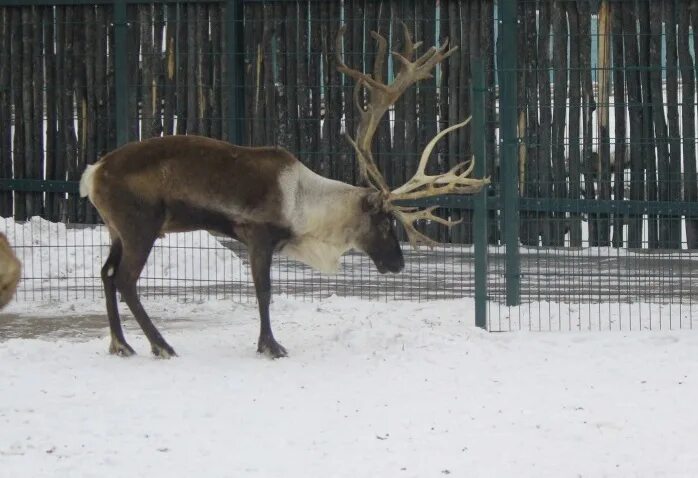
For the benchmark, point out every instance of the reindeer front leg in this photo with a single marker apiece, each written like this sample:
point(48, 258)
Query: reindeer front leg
point(261, 247)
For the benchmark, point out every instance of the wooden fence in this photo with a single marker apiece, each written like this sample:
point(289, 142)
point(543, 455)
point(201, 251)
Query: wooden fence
point(581, 63)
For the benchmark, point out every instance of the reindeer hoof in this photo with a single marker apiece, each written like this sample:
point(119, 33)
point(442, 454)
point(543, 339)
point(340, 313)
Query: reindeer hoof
point(163, 351)
point(121, 349)
point(270, 347)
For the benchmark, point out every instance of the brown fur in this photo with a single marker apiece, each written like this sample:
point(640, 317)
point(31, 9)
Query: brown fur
point(173, 174)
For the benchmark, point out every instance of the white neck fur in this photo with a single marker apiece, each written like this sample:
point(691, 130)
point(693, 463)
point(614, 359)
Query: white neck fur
point(322, 213)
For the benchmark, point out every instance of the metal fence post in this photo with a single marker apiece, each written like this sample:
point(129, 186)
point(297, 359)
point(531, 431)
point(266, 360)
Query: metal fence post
point(121, 71)
point(508, 146)
point(477, 132)
point(235, 65)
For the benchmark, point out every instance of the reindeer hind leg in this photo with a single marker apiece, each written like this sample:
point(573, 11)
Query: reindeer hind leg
point(118, 345)
point(138, 239)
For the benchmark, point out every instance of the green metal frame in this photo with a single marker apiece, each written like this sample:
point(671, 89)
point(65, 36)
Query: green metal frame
point(508, 147)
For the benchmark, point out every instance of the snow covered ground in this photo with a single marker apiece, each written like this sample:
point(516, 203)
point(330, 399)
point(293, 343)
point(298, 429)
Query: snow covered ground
point(370, 389)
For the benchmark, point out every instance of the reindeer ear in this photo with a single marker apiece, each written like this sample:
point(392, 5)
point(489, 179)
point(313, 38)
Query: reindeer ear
point(372, 202)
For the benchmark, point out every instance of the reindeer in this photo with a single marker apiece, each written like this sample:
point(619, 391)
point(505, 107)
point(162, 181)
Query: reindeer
point(10, 269)
point(265, 198)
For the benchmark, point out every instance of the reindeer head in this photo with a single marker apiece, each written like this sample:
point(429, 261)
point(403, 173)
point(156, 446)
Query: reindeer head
point(381, 97)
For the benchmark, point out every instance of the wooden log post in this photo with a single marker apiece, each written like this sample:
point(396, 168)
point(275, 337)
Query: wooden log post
point(530, 228)
point(28, 113)
point(575, 169)
point(135, 75)
point(5, 118)
point(635, 114)
point(18, 141)
point(182, 69)
point(290, 108)
point(170, 70)
point(191, 50)
point(672, 234)
point(688, 104)
point(647, 137)
point(157, 82)
point(203, 72)
point(215, 101)
point(620, 104)
point(89, 111)
point(560, 93)
point(269, 88)
point(660, 125)
point(603, 174)
point(145, 16)
point(589, 106)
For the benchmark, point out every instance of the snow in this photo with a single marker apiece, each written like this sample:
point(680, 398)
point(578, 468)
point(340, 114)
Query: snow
point(51, 251)
point(395, 389)
point(380, 389)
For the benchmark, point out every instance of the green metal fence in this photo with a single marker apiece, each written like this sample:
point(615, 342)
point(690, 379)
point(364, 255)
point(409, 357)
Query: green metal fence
point(590, 220)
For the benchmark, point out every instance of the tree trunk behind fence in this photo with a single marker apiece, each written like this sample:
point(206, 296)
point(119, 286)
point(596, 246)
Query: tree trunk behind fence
point(203, 75)
point(90, 111)
point(589, 105)
point(688, 102)
point(545, 137)
point(291, 59)
point(59, 161)
point(635, 113)
point(603, 140)
point(660, 127)
point(382, 141)
point(304, 94)
point(28, 113)
point(648, 139)
point(68, 113)
point(574, 111)
point(268, 90)
point(323, 106)
point(619, 111)
point(181, 61)
point(226, 82)
point(487, 31)
point(5, 116)
point(100, 80)
point(156, 127)
point(672, 237)
point(187, 84)
point(170, 70)
point(20, 210)
point(215, 88)
point(453, 111)
point(530, 228)
point(37, 162)
point(334, 91)
point(191, 48)
point(145, 16)
point(315, 148)
point(559, 170)
point(133, 44)
point(409, 98)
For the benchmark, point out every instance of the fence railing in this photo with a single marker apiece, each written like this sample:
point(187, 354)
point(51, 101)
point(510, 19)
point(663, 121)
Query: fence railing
point(583, 112)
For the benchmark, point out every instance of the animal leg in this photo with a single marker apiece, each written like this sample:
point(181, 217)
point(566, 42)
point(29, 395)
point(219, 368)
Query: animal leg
point(135, 255)
point(118, 345)
point(261, 253)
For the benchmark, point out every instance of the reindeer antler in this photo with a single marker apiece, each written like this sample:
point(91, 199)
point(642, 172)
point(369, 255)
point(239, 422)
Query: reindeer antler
point(381, 97)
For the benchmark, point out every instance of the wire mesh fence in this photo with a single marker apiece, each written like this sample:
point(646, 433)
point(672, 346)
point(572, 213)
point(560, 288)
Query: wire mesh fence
point(602, 163)
point(606, 167)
